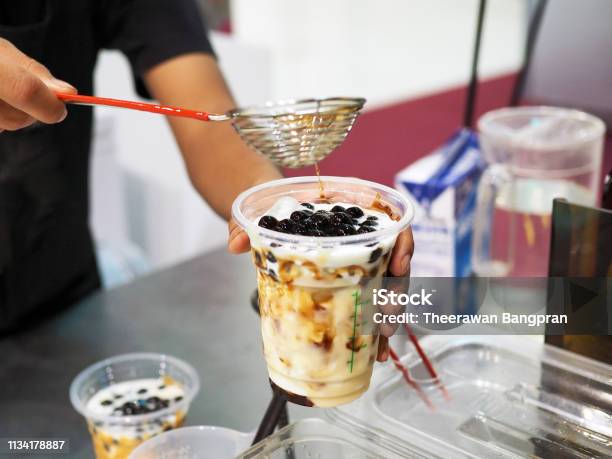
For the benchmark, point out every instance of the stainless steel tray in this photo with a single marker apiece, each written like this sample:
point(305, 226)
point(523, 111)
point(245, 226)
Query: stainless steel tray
point(510, 397)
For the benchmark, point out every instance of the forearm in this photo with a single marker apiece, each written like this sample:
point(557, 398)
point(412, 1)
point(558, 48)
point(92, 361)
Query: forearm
point(219, 164)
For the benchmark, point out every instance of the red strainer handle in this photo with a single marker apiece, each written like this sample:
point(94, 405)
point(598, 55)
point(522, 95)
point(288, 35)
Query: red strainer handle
point(141, 106)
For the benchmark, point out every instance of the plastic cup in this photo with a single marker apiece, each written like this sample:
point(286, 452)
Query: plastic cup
point(195, 443)
point(318, 338)
point(115, 436)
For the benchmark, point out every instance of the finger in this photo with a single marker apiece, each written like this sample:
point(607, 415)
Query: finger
point(12, 119)
point(383, 349)
point(402, 254)
point(14, 55)
point(238, 241)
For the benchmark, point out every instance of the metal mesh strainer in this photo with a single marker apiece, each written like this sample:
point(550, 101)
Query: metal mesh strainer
point(297, 133)
point(292, 134)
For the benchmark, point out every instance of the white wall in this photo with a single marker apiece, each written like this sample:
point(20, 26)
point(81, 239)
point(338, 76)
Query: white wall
point(140, 191)
point(385, 50)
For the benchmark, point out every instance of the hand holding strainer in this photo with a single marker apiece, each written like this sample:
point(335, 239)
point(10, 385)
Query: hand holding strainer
point(291, 134)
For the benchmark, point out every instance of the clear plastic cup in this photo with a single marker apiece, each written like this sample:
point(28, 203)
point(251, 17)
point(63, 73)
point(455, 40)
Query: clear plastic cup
point(195, 443)
point(115, 436)
point(318, 336)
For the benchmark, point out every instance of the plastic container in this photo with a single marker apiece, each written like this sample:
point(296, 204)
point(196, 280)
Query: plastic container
point(510, 397)
point(115, 436)
point(316, 346)
point(316, 438)
point(195, 443)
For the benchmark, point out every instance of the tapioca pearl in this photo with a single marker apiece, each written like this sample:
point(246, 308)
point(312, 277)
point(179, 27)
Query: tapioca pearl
point(300, 215)
point(355, 212)
point(375, 255)
point(365, 229)
point(268, 222)
point(286, 226)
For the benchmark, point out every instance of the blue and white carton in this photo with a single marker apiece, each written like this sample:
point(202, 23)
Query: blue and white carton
point(442, 187)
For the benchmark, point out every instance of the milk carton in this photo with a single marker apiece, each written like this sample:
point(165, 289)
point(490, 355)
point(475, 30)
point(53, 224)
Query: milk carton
point(442, 187)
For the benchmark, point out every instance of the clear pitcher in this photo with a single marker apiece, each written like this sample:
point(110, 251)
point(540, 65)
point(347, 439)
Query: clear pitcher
point(534, 154)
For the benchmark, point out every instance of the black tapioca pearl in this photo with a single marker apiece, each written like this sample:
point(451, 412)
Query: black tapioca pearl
point(371, 218)
point(342, 217)
point(106, 402)
point(324, 213)
point(301, 229)
point(285, 226)
point(268, 222)
point(354, 212)
point(142, 391)
point(319, 222)
point(178, 399)
point(316, 233)
point(270, 257)
point(299, 216)
point(162, 387)
point(307, 205)
point(118, 396)
point(349, 230)
point(337, 209)
point(371, 223)
point(365, 229)
point(375, 255)
point(130, 408)
point(272, 274)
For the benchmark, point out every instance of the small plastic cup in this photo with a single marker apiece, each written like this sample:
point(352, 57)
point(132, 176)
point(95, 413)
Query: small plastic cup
point(318, 339)
point(195, 443)
point(115, 436)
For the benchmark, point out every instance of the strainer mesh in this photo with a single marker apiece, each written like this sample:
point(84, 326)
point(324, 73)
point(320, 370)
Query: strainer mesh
point(300, 133)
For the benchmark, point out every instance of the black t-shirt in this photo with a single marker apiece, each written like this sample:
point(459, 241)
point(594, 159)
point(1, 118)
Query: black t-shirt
point(46, 252)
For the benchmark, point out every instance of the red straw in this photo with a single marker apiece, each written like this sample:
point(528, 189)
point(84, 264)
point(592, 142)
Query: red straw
point(398, 364)
point(432, 372)
point(424, 358)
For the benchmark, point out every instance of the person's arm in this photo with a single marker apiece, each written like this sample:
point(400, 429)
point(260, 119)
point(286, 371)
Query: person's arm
point(219, 163)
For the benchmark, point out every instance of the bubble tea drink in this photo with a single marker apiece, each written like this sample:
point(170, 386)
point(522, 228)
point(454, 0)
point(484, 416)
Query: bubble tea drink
point(129, 398)
point(318, 259)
